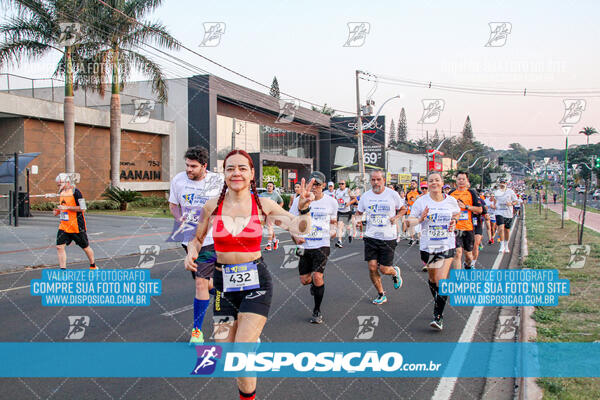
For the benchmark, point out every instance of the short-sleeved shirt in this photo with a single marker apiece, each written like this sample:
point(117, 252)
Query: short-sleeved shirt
point(329, 193)
point(322, 212)
point(435, 235)
point(273, 196)
point(411, 197)
point(71, 221)
point(343, 198)
point(379, 208)
point(191, 196)
point(465, 220)
point(503, 197)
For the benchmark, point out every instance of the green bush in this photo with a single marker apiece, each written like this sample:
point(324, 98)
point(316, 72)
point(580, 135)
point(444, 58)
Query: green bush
point(103, 205)
point(151, 201)
point(286, 201)
point(121, 196)
point(45, 206)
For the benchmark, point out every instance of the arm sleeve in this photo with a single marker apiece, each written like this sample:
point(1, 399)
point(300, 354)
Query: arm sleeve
point(172, 194)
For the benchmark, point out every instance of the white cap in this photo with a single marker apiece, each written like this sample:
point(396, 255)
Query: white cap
point(330, 184)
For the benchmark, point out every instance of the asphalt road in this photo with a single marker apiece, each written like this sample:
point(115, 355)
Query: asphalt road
point(404, 318)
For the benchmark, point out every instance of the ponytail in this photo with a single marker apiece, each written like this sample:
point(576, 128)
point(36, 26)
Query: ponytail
point(257, 199)
point(221, 197)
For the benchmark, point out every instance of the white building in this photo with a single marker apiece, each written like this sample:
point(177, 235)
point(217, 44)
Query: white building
point(399, 162)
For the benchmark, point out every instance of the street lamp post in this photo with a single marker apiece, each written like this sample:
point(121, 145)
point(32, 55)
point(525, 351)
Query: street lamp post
point(546, 160)
point(565, 214)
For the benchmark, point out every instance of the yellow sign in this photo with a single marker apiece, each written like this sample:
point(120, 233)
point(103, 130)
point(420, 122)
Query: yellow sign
point(404, 179)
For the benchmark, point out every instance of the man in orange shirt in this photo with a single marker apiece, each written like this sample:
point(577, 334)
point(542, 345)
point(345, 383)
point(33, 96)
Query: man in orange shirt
point(469, 203)
point(412, 195)
point(72, 222)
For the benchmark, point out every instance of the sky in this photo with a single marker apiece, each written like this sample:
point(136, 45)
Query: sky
point(552, 45)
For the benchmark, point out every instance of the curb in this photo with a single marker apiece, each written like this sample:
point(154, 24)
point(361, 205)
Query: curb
point(528, 387)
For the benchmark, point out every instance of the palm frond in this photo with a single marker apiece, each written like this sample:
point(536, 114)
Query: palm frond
point(154, 72)
point(154, 33)
point(13, 52)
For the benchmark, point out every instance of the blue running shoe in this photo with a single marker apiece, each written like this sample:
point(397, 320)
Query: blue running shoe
point(397, 279)
point(380, 299)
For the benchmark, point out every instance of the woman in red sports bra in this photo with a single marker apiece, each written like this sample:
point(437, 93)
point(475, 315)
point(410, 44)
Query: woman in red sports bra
point(241, 278)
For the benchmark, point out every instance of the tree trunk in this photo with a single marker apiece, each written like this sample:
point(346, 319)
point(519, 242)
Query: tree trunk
point(115, 124)
point(69, 114)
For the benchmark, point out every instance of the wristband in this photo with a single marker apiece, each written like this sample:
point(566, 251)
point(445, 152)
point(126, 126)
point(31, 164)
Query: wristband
point(305, 211)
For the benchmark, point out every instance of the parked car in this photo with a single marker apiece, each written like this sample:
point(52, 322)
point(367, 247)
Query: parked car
point(580, 189)
point(596, 195)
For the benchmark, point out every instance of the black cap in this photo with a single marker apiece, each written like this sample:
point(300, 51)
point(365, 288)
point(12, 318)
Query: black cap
point(318, 176)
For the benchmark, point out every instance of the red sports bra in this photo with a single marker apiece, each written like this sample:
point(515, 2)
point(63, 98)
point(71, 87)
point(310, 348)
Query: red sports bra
point(246, 241)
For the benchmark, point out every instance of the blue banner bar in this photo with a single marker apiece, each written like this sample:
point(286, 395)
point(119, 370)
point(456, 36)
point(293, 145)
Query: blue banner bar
point(322, 360)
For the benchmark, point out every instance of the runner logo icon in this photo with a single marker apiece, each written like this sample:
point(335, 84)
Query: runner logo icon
point(499, 32)
point(366, 326)
point(77, 325)
point(207, 359)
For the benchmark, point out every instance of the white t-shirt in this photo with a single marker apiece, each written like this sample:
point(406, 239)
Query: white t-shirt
point(322, 212)
point(329, 192)
point(191, 196)
point(435, 236)
point(343, 198)
point(379, 208)
point(503, 197)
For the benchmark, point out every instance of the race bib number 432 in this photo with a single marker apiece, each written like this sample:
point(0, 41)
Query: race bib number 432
point(239, 277)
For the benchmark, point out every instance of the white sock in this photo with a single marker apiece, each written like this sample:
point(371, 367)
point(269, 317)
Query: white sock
point(473, 263)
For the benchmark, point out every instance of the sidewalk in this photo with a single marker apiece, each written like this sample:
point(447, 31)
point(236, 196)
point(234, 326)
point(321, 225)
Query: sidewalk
point(592, 220)
point(33, 242)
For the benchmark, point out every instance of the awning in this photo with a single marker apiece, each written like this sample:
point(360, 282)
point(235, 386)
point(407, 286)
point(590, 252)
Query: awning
point(7, 168)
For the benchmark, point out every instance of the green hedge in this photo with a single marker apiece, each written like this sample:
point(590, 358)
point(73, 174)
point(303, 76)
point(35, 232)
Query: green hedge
point(103, 205)
point(151, 201)
point(45, 206)
point(286, 201)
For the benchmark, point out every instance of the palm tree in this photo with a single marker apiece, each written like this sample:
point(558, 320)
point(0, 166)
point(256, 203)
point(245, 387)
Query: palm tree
point(119, 34)
point(34, 32)
point(588, 131)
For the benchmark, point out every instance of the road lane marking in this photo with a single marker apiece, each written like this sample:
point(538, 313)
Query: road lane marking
point(344, 257)
point(178, 310)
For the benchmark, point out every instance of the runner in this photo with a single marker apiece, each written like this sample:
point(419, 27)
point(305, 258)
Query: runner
point(437, 214)
point(355, 220)
point(517, 204)
point(72, 227)
point(505, 198)
point(272, 243)
point(296, 190)
point(424, 188)
point(478, 228)
point(446, 189)
point(190, 190)
point(242, 279)
point(411, 196)
point(345, 200)
point(490, 217)
point(382, 208)
point(330, 189)
point(468, 201)
point(315, 245)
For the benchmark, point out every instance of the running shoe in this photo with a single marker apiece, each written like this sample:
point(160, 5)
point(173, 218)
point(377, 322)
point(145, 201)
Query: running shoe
point(317, 318)
point(361, 236)
point(491, 241)
point(349, 238)
point(466, 266)
point(380, 299)
point(197, 337)
point(63, 268)
point(269, 247)
point(338, 244)
point(424, 269)
point(501, 249)
point(397, 279)
point(437, 323)
point(93, 266)
point(506, 249)
point(480, 247)
point(275, 244)
point(410, 242)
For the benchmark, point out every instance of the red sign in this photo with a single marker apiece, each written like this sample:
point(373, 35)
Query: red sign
point(435, 166)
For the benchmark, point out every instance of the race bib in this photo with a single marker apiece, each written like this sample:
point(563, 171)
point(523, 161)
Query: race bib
point(341, 203)
point(378, 219)
point(316, 233)
point(438, 232)
point(464, 216)
point(64, 216)
point(474, 221)
point(239, 277)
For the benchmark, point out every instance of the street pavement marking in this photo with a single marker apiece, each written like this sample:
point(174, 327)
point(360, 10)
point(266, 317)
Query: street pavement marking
point(344, 257)
point(26, 286)
point(178, 310)
point(446, 386)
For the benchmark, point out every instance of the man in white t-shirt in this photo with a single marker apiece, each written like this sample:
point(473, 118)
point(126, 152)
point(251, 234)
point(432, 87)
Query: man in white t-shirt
point(505, 198)
point(190, 190)
point(330, 189)
point(345, 200)
point(315, 246)
point(382, 207)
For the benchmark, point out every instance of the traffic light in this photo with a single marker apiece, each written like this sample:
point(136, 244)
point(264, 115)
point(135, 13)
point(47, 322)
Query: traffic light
point(597, 162)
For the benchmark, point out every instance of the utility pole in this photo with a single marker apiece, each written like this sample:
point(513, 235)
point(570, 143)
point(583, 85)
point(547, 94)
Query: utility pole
point(426, 150)
point(233, 136)
point(359, 133)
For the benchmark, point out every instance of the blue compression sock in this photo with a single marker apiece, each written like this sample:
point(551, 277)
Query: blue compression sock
point(200, 307)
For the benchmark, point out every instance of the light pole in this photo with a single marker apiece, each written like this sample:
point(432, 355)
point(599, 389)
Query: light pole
point(483, 171)
point(474, 162)
point(565, 214)
point(546, 160)
point(461, 156)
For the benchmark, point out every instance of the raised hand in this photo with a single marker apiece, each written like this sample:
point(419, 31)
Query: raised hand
point(424, 214)
point(306, 194)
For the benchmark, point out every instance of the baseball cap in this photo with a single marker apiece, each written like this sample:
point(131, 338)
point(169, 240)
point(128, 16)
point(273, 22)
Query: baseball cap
point(446, 187)
point(318, 176)
point(330, 184)
point(424, 184)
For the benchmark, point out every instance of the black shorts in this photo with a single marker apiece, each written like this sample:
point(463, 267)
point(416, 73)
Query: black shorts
point(346, 214)
point(507, 222)
point(478, 229)
point(257, 301)
point(205, 262)
point(465, 240)
point(380, 250)
point(66, 238)
point(429, 258)
point(313, 260)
